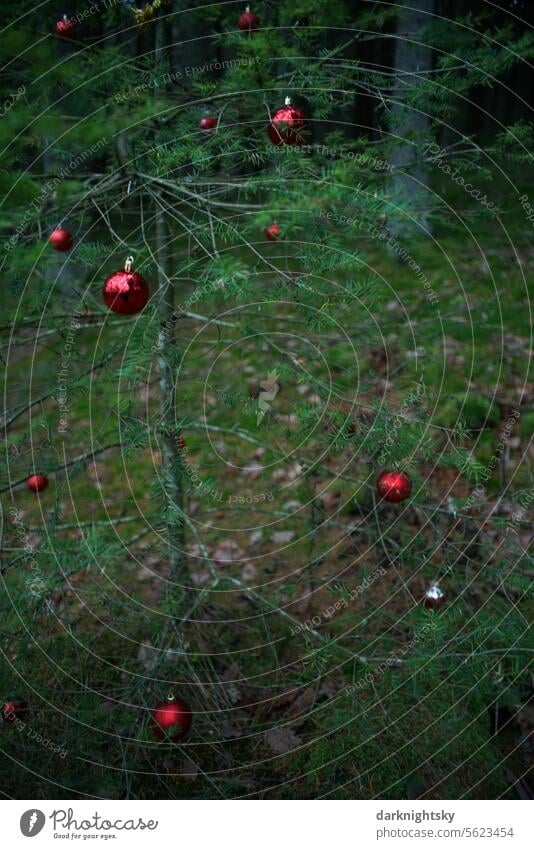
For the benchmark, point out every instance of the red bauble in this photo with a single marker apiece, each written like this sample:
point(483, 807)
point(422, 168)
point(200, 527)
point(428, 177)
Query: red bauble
point(248, 21)
point(180, 442)
point(434, 597)
point(208, 123)
point(286, 125)
point(36, 483)
point(393, 486)
point(172, 719)
point(10, 711)
point(272, 232)
point(61, 239)
point(66, 28)
point(126, 292)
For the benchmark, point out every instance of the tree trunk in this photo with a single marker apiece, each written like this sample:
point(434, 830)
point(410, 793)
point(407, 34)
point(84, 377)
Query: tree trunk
point(170, 454)
point(410, 180)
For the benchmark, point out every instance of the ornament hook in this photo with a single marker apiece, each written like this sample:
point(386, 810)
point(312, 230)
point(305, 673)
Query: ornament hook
point(287, 101)
point(128, 265)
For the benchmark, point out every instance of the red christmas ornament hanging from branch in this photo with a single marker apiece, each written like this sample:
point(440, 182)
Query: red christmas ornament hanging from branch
point(208, 123)
point(272, 232)
point(66, 28)
point(10, 711)
point(172, 719)
point(287, 125)
point(36, 483)
point(126, 292)
point(61, 239)
point(393, 486)
point(248, 21)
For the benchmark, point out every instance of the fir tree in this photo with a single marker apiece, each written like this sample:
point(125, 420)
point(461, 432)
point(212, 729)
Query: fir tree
point(212, 525)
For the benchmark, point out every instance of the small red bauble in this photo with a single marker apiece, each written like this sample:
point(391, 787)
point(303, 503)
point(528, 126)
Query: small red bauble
point(61, 239)
point(208, 123)
point(272, 232)
point(66, 28)
point(393, 486)
point(172, 719)
point(10, 711)
point(36, 483)
point(286, 125)
point(180, 442)
point(248, 21)
point(434, 597)
point(126, 292)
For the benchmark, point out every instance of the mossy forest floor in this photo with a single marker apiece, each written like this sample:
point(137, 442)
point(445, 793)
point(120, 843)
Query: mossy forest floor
point(439, 704)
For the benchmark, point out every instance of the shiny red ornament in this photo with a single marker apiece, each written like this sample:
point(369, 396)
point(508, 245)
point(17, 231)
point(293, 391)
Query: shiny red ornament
point(61, 239)
point(393, 486)
point(36, 483)
point(208, 123)
point(286, 125)
point(126, 292)
point(248, 21)
point(10, 711)
point(66, 28)
point(434, 597)
point(172, 719)
point(180, 442)
point(272, 232)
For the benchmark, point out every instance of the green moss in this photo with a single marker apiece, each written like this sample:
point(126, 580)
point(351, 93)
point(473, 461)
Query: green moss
point(526, 426)
point(475, 410)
